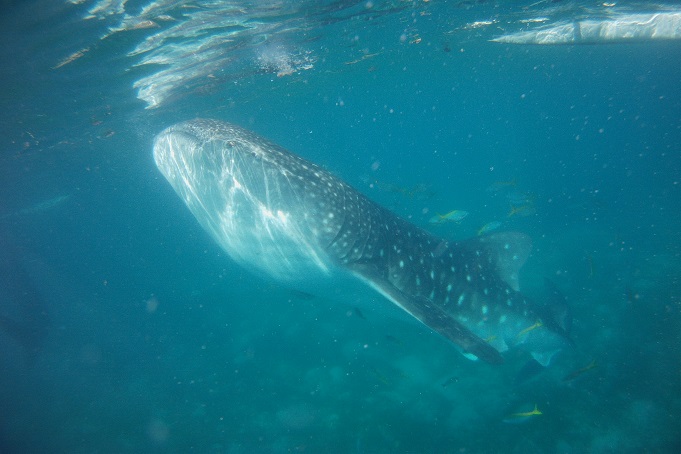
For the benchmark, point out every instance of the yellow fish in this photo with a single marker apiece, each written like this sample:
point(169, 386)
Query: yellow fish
point(453, 216)
point(523, 210)
point(522, 416)
point(500, 185)
point(538, 324)
point(489, 227)
point(574, 374)
point(380, 377)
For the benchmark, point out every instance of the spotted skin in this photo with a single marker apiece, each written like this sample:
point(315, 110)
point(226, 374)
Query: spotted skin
point(288, 218)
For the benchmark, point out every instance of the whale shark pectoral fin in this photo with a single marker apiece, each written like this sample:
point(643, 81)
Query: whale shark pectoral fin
point(436, 319)
point(439, 321)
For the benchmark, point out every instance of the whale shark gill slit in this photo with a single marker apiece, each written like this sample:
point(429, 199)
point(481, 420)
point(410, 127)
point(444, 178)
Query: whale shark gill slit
point(287, 218)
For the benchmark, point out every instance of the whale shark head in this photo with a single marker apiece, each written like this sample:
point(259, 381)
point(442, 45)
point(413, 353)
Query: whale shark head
point(269, 209)
point(283, 216)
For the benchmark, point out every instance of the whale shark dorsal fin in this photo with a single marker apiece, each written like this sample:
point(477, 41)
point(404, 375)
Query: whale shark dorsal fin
point(510, 251)
point(432, 316)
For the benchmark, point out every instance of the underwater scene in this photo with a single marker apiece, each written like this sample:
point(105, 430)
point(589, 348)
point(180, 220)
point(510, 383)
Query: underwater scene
point(340, 226)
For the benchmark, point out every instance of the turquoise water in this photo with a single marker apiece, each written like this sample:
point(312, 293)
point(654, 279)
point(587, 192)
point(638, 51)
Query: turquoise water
point(126, 329)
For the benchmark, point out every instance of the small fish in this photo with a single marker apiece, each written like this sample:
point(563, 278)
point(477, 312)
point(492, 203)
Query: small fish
point(521, 417)
point(393, 339)
point(519, 198)
point(358, 313)
point(452, 216)
point(141, 25)
point(450, 381)
point(74, 56)
point(478, 24)
point(41, 207)
point(576, 373)
point(301, 295)
point(539, 20)
point(493, 225)
point(362, 58)
point(523, 210)
point(538, 324)
point(421, 191)
point(500, 185)
point(382, 378)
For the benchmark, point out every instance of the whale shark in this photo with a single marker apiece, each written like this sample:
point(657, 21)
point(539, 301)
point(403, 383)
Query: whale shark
point(280, 215)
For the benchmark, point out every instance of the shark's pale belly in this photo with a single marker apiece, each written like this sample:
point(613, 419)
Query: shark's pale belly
point(287, 218)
